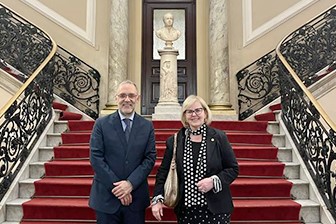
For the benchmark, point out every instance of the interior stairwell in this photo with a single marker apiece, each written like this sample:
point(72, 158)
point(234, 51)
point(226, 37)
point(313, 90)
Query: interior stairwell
point(274, 177)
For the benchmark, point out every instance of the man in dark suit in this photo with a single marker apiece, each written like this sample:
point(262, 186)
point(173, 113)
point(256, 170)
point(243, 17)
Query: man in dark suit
point(122, 154)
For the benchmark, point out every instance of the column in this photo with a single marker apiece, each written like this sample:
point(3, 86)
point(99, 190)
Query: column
point(117, 52)
point(218, 65)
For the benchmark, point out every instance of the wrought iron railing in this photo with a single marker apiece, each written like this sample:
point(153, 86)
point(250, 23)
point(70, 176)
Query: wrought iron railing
point(26, 115)
point(258, 85)
point(301, 54)
point(76, 82)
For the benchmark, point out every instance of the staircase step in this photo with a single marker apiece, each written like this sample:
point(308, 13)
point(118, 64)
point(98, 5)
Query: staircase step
point(60, 126)
point(58, 208)
point(285, 154)
point(27, 188)
point(74, 151)
point(71, 138)
point(292, 170)
point(260, 168)
point(67, 115)
point(14, 212)
point(79, 187)
point(36, 170)
point(46, 153)
point(59, 106)
point(282, 209)
point(275, 107)
point(273, 127)
point(300, 189)
point(269, 116)
point(310, 211)
point(251, 168)
point(80, 125)
point(242, 151)
point(68, 168)
point(54, 139)
point(222, 125)
point(253, 188)
point(279, 140)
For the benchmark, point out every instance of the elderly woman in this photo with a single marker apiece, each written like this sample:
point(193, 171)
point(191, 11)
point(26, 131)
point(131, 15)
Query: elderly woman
point(206, 166)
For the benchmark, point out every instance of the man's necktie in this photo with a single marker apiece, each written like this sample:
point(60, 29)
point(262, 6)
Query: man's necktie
point(128, 128)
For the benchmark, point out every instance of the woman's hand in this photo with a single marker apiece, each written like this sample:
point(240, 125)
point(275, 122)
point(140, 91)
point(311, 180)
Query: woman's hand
point(205, 185)
point(157, 211)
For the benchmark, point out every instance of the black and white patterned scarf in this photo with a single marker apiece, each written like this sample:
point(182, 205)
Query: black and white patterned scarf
point(194, 174)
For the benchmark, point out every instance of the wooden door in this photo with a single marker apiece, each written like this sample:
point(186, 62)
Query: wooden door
point(186, 64)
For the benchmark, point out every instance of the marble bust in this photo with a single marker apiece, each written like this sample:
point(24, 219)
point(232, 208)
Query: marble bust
point(168, 33)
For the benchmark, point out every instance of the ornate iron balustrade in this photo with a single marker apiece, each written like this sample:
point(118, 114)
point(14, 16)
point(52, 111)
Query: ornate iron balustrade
point(258, 85)
point(21, 125)
point(27, 113)
point(315, 141)
point(76, 82)
point(301, 55)
point(22, 45)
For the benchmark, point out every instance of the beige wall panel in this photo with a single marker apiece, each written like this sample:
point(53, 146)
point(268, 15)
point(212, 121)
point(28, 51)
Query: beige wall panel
point(265, 10)
point(75, 10)
point(8, 87)
point(327, 103)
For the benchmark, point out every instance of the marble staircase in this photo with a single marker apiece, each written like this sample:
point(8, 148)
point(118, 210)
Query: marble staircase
point(304, 191)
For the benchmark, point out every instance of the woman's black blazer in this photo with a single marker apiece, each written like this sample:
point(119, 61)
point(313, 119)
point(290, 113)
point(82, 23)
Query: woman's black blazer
point(221, 161)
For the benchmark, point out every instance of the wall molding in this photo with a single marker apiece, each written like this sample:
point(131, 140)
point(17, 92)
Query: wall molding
point(250, 35)
point(88, 34)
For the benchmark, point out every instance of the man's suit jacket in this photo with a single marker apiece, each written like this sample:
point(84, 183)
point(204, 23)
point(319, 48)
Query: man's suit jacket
point(113, 160)
point(221, 161)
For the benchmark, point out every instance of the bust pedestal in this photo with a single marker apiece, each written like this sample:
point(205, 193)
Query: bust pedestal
point(168, 107)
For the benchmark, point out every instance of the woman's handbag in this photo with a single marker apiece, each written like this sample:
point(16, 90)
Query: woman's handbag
point(171, 184)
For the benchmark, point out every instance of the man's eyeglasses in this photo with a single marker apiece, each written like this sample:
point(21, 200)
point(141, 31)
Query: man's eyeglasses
point(131, 96)
point(197, 111)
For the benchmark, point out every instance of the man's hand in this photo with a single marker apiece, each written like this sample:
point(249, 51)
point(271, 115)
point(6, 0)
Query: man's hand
point(122, 188)
point(127, 200)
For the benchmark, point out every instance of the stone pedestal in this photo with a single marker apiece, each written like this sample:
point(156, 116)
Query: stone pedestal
point(168, 107)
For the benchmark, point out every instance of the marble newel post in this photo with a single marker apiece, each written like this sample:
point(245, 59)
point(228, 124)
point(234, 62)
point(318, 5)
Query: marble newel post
point(219, 62)
point(168, 106)
point(117, 52)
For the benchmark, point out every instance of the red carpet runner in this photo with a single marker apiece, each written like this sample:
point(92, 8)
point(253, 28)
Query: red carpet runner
point(261, 193)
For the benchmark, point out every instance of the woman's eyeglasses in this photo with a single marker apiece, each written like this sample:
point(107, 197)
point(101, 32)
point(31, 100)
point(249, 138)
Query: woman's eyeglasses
point(197, 111)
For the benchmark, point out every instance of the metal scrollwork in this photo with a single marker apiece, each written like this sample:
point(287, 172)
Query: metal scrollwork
point(258, 85)
point(22, 45)
point(76, 82)
point(23, 122)
point(314, 139)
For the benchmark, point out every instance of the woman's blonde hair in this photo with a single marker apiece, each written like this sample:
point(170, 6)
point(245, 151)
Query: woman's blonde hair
point(191, 100)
